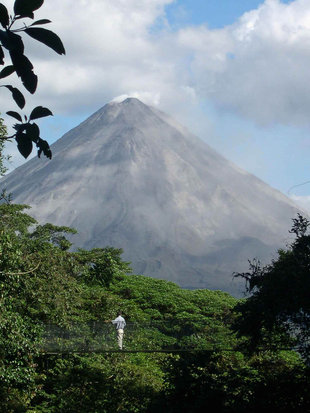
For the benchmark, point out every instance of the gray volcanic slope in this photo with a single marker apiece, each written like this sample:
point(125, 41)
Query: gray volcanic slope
point(131, 177)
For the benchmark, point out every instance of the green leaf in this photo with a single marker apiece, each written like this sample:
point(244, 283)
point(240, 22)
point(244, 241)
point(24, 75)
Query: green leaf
point(33, 131)
point(25, 8)
point(47, 37)
point(1, 56)
point(43, 21)
point(40, 112)
point(19, 127)
point(23, 68)
point(4, 16)
point(15, 42)
point(44, 147)
point(14, 115)
point(24, 145)
point(17, 96)
point(7, 71)
point(11, 41)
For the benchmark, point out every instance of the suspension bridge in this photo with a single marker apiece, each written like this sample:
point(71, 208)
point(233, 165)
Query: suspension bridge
point(163, 336)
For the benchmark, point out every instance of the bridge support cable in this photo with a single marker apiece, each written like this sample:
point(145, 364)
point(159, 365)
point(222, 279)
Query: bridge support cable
point(163, 336)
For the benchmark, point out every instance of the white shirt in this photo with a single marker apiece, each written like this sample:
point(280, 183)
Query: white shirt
point(120, 322)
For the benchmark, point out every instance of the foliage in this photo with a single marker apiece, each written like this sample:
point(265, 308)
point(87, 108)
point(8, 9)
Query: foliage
point(27, 131)
point(19, 339)
point(44, 285)
point(280, 302)
point(35, 287)
point(102, 265)
point(55, 235)
point(231, 383)
point(100, 383)
point(3, 135)
point(174, 318)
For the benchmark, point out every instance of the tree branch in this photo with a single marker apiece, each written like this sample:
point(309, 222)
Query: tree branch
point(20, 273)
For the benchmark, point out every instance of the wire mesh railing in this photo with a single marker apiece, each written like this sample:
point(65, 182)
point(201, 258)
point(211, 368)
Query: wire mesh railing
point(143, 336)
point(211, 334)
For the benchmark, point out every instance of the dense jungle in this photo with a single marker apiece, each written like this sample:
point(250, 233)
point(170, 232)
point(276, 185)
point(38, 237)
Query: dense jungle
point(184, 350)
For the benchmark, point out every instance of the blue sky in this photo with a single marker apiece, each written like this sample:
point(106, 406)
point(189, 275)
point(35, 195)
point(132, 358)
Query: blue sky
point(235, 72)
point(216, 14)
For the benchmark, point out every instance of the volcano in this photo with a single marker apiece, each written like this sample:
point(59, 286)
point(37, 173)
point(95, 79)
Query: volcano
point(131, 177)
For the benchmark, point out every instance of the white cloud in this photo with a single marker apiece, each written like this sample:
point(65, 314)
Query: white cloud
point(266, 76)
point(109, 51)
point(258, 67)
point(146, 97)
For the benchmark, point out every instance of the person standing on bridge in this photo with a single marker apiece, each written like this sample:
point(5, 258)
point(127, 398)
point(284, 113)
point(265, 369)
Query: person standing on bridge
point(120, 324)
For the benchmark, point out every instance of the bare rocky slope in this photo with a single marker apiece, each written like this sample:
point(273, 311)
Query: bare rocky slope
point(131, 177)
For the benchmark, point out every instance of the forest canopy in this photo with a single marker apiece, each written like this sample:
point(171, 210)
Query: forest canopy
point(58, 353)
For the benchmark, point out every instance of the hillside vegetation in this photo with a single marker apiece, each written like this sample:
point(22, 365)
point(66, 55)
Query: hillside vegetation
point(53, 300)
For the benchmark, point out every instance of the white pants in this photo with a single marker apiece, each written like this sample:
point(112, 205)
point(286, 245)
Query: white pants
point(120, 335)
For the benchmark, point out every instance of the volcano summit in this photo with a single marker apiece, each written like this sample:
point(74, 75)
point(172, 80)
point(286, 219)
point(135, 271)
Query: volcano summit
point(129, 176)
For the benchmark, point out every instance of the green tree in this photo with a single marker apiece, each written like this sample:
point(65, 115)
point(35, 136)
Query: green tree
point(279, 305)
point(18, 334)
point(37, 286)
point(102, 265)
point(229, 382)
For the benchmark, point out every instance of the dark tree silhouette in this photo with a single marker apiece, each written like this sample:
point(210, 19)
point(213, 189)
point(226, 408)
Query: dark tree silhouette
point(279, 305)
point(27, 132)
